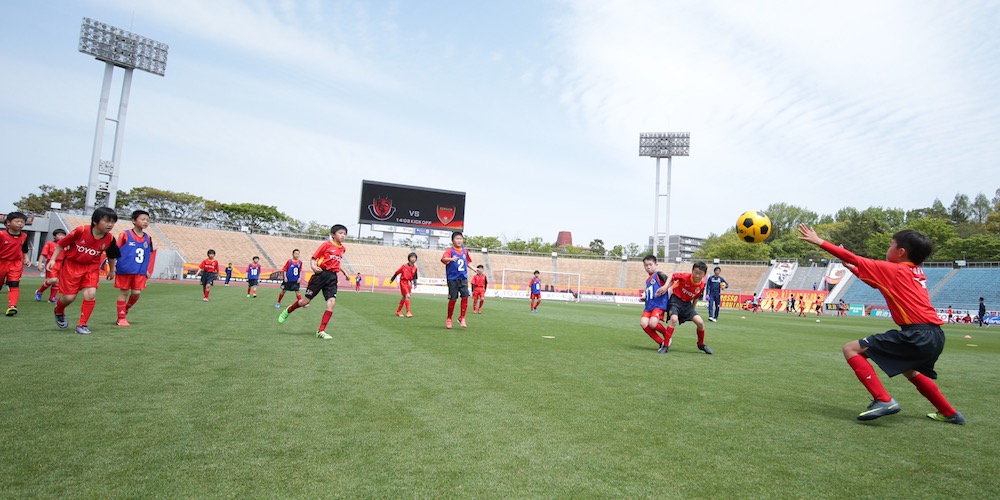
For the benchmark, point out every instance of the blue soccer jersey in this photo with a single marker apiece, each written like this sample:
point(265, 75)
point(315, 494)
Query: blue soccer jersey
point(253, 272)
point(293, 271)
point(135, 254)
point(654, 283)
point(457, 269)
point(536, 286)
point(714, 284)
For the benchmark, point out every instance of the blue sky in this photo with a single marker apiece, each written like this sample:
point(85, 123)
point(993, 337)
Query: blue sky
point(533, 108)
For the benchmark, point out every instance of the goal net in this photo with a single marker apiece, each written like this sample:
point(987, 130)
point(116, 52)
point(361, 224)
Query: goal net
point(516, 283)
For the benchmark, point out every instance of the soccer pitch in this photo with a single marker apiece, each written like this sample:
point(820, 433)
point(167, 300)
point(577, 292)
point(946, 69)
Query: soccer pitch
point(217, 400)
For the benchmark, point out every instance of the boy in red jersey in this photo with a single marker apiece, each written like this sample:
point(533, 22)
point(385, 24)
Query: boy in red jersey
point(209, 271)
point(456, 262)
point(685, 288)
point(535, 291)
point(81, 265)
point(802, 306)
point(407, 280)
point(13, 257)
point(915, 347)
point(479, 283)
point(135, 265)
point(51, 277)
point(325, 264)
point(293, 274)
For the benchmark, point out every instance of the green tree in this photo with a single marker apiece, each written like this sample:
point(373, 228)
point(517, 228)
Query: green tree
point(184, 208)
point(730, 247)
point(785, 218)
point(960, 209)
point(597, 246)
point(855, 227)
point(978, 247)
point(981, 208)
point(633, 250)
point(71, 199)
point(490, 242)
point(256, 217)
point(940, 231)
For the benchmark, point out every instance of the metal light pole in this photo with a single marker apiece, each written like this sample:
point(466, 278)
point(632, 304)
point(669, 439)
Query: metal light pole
point(116, 47)
point(663, 145)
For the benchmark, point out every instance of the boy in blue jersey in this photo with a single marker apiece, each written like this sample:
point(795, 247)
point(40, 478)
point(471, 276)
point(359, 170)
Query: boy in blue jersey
point(655, 297)
point(135, 264)
point(456, 262)
point(293, 273)
point(713, 293)
point(536, 291)
point(253, 276)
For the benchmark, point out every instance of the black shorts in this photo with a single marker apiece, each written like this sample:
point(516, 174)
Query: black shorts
point(912, 347)
point(458, 288)
point(290, 286)
point(323, 281)
point(684, 310)
point(208, 278)
point(251, 282)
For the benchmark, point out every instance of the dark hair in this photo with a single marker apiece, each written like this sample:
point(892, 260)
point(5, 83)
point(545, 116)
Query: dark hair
point(296, 250)
point(60, 230)
point(16, 215)
point(649, 257)
point(536, 272)
point(210, 252)
point(411, 254)
point(456, 233)
point(255, 258)
point(103, 213)
point(717, 268)
point(338, 227)
point(918, 247)
point(137, 213)
point(700, 265)
point(980, 299)
point(480, 266)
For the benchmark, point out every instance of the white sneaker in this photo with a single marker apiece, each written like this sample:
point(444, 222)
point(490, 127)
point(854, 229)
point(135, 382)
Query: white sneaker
point(712, 320)
point(323, 335)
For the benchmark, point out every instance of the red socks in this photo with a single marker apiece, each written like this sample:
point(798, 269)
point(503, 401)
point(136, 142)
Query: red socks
point(406, 302)
point(293, 307)
point(132, 299)
point(60, 307)
point(930, 390)
point(866, 374)
point(451, 308)
point(402, 302)
point(13, 294)
point(653, 335)
point(86, 309)
point(206, 292)
point(701, 337)
point(326, 319)
point(465, 307)
point(122, 310)
point(668, 334)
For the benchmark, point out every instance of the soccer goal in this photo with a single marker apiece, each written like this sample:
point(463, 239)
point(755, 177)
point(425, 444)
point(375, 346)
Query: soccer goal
point(514, 283)
point(368, 277)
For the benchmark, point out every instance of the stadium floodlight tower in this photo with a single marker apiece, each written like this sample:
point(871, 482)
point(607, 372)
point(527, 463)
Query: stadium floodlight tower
point(116, 47)
point(663, 145)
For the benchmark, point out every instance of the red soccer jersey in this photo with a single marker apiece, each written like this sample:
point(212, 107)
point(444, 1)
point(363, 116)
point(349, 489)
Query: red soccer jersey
point(81, 247)
point(329, 255)
point(48, 248)
point(209, 266)
point(13, 247)
point(685, 288)
point(903, 285)
point(406, 273)
point(478, 281)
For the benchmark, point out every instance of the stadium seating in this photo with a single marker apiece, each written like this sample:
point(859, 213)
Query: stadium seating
point(963, 290)
point(194, 242)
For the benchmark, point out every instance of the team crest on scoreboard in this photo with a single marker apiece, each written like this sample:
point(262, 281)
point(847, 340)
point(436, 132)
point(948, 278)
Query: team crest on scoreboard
point(381, 208)
point(446, 213)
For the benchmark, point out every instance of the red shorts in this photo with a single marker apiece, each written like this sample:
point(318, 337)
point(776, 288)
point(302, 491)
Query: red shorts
point(655, 313)
point(405, 288)
point(479, 293)
point(54, 273)
point(74, 277)
point(130, 281)
point(11, 270)
point(536, 296)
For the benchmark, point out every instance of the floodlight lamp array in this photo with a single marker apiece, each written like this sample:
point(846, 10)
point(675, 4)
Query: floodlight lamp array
point(122, 48)
point(664, 144)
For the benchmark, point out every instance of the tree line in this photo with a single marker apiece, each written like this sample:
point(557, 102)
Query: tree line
point(968, 229)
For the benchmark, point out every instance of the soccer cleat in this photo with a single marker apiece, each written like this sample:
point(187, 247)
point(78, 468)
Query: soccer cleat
point(711, 319)
point(447, 323)
point(399, 314)
point(82, 330)
point(11, 311)
point(277, 304)
point(123, 322)
point(663, 349)
point(322, 335)
point(283, 316)
point(204, 299)
point(38, 296)
point(956, 419)
point(461, 321)
point(52, 300)
point(255, 295)
point(61, 321)
point(879, 409)
point(248, 295)
point(703, 347)
point(408, 314)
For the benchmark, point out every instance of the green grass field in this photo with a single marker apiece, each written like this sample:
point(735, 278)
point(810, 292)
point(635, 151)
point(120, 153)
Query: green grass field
point(217, 400)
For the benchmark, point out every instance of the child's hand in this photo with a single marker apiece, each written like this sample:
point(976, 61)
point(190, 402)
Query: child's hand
point(808, 234)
